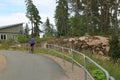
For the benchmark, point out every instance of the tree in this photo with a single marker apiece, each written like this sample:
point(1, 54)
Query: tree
point(33, 15)
point(26, 31)
point(115, 14)
point(75, 6)
point(77, 26)
point(61, 17)
point(100, 16)
point(77, 21)
point(48, 28)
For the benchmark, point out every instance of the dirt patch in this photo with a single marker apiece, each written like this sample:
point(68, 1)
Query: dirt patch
point(3, 62)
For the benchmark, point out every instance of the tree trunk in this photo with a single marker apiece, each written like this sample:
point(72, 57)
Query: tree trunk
point(76, 8)
point(116, 20)
point(87, 19)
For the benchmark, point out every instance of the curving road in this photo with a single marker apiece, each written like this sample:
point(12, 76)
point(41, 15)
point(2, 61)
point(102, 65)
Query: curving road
point(23, 66)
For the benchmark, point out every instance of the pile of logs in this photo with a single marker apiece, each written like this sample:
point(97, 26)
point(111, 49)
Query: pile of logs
point(96, 44)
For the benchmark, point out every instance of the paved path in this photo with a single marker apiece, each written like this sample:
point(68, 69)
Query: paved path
point(25, 66)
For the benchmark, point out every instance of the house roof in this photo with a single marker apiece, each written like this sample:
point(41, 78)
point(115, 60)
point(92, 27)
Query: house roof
point(12, 25)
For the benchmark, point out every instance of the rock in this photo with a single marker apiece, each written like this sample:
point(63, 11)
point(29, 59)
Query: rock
point(100, 53)
point(96, 44)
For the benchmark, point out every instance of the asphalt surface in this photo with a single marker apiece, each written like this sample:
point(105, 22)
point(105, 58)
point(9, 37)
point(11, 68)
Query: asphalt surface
point(26, 66)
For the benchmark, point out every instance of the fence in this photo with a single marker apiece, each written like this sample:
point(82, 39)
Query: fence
point(83, 65)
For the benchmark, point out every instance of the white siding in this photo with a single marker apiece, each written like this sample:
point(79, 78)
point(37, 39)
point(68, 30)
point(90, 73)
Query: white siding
point(10, 32)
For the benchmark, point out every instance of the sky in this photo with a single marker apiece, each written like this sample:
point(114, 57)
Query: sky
point(14, 11)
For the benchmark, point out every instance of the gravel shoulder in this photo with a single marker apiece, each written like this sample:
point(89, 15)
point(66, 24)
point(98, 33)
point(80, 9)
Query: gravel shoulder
point(3, 63)
point(77, 74)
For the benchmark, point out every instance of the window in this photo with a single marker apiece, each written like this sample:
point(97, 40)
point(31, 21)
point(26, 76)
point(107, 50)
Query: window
point(3, 37)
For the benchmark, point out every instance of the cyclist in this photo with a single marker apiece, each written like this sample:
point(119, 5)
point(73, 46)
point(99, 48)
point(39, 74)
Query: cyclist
point(32, 43)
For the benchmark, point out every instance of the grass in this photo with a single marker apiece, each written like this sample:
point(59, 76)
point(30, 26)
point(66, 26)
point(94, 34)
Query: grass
point(112, 68)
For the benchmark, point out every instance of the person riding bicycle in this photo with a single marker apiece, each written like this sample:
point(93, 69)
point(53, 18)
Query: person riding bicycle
point(32, 43)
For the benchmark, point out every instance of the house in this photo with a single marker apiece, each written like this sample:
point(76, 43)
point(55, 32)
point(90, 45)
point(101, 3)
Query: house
point(10, 31)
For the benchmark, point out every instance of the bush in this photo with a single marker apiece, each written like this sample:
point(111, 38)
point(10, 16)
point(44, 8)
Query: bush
point(114, 51)
point(6, 44)
point(22, 39)
point(40, 40)
point(98, 74)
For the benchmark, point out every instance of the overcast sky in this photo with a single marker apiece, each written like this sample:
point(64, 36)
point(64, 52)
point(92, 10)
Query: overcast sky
point(13, 11)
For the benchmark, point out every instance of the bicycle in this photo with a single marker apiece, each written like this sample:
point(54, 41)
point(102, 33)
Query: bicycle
point(31, 49)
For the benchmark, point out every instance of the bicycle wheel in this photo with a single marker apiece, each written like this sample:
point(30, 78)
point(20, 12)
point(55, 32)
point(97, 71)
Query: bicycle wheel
point(32, 49)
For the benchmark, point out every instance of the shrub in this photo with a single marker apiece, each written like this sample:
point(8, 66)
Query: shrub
point(98, 74)
point(114, 51)
point(40, 40)
point(22, 39)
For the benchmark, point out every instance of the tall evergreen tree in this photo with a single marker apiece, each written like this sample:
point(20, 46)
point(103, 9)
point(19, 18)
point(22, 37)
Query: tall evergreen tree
point(48, 28)
point(101, 16)
point(33, 15)
point(77, 21)
point(77, 26)
point(26, 31)
point(116, 8)
point(75, 6)
point(61, 17)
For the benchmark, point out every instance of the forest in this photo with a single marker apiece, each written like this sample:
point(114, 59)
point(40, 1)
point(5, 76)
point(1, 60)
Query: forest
point(94, 17)
point(77, 18)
